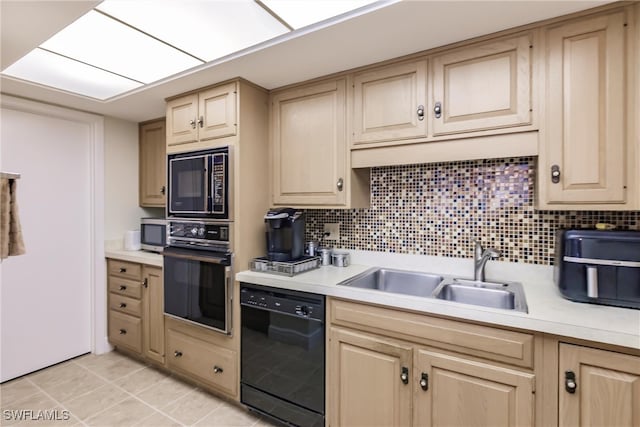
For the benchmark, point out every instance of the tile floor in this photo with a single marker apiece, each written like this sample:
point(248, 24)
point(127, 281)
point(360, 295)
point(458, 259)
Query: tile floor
point(114, 390)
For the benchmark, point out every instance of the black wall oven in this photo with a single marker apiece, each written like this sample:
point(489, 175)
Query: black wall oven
point(200, 184)
point(198, 274)
point(283, 354)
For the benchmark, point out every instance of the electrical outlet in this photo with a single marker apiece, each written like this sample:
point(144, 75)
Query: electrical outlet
point(333, 228)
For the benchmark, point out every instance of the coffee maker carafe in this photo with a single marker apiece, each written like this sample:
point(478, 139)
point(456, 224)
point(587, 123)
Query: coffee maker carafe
point(285, 234)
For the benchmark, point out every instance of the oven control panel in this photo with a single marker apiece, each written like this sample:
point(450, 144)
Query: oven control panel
point(199, 233)
point(295, 303)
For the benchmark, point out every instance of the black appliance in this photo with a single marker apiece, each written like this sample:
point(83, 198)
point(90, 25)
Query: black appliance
point(600, 267)
point(283, 354)
point(153, 234)
point(198, 273)
point(200, 184)
point(284, 234)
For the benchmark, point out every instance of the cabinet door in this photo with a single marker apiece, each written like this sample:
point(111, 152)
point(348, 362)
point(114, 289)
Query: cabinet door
point(217, 112)
point(153, 314)
point(585, 138)
point(309, 145)
point(182, 116)
point(485, 86)
point(607, 391)
point(153, 164)
point(464, 392)
point(389, 103)
point(365, 384)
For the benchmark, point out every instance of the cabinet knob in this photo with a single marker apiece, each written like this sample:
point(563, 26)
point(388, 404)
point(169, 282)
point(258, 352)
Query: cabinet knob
point(420, 112)
point(555, 174)
point(340, 184)
point(145, 282)
point(201, 121)
point(123, 305)
point(192, 123)
point(217, 369)
point(123, 287)
point(437, 110)
point(123, 332)
point(424, 382)
point(177, 353)
point(404, 376)
point(163, 190)
point(570, 383)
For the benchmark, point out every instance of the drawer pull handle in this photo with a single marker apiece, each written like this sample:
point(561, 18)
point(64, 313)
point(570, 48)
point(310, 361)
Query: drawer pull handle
point(570, 382)
point(217, 369)
point(123, 305)
point(404, 376)
point(123, 287)
point(177, 353)
point(123, 270)
point(145, 283)
point(123, 332)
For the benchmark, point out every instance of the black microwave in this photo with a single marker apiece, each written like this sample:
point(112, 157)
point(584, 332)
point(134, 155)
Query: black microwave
point(153, 234)
point(200, 184)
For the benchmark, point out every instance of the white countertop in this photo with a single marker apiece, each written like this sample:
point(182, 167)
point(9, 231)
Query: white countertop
point(113, 249)
point(548, 312)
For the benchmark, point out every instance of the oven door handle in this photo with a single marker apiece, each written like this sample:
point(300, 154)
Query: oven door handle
point(212, 260)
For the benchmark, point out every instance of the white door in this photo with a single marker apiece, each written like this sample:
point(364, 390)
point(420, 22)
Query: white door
point(45, 295)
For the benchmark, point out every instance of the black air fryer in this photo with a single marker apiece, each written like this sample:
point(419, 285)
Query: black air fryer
point(600, 267)
point(285, 234)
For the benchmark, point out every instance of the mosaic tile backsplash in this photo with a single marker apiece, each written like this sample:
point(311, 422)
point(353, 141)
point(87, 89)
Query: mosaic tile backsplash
point(440, 208)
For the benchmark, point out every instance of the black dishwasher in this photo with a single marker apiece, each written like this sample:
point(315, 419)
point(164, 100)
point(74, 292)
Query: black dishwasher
point(282, 354)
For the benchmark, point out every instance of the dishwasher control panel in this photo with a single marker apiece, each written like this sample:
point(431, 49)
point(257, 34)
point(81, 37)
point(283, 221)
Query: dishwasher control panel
point(294, 303)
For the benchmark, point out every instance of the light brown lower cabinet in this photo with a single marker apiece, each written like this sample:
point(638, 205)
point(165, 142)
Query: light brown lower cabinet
point(136, 309)
point(598, 387)
point(455, 391)
point(378, 381)
point(366, 380)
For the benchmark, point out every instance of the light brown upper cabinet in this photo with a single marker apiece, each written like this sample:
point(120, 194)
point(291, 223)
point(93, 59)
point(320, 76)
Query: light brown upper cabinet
point(584, 154)
point(598, 388)
point(389, 103)
point(152, 157)
point(201, 116)
point(310, 157)
point(483, 86)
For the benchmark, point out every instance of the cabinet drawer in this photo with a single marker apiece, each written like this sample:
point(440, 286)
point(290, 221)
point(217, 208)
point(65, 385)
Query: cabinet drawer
point(128, 288)
point(511, 347)
point(128, 270)
point(202, 360)
point(125, 330)
point(125, 304)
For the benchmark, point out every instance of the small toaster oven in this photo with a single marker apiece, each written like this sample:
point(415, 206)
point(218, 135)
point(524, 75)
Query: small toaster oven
point(600, 267)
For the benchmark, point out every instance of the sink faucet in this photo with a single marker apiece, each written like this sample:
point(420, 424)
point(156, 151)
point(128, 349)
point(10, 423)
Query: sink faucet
point(480, 258)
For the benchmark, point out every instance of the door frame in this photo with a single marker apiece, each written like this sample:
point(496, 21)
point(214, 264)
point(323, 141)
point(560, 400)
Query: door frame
point(98, 286)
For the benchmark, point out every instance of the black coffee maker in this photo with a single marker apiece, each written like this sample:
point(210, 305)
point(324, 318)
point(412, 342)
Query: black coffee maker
point(285, 234)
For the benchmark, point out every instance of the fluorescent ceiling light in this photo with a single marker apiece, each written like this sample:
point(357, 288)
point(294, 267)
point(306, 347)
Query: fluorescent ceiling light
point(101, 41)
point(300, 13)
point(206, 29)
point(63, 73)
point(121, 45)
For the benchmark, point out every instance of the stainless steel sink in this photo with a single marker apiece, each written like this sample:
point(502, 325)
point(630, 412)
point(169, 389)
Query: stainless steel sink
point(508, 296)
point(396, 281)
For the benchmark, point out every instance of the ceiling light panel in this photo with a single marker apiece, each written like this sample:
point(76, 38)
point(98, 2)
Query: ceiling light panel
point(299, 13)
point(49, 69)
point(108, 44)
point(206, 29)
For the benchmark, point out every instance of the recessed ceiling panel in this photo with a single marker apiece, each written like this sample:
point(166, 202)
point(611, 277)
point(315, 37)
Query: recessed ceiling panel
point(299, 13)
point(53, 70)
point(108, 44)
point(206, 29)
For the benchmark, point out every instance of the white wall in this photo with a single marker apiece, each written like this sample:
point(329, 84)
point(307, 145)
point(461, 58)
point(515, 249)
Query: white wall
point(121, 179)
